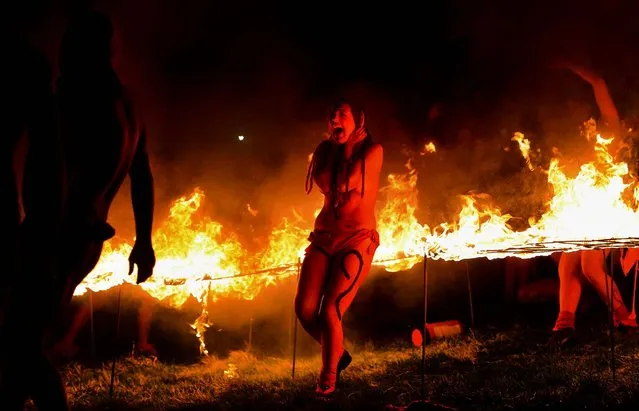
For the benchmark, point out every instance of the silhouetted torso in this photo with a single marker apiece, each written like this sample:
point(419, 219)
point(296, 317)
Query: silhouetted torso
point(100, 135)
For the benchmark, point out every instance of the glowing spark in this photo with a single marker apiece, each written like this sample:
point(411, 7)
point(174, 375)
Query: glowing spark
point(251, 210)
point(428, 148)
point(524, 147)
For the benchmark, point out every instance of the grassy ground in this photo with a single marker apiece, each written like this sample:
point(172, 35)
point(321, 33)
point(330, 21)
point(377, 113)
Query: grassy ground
point(511, 370)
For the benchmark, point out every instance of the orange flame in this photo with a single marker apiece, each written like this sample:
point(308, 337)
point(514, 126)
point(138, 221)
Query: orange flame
point(428, 148)
point(198, 257)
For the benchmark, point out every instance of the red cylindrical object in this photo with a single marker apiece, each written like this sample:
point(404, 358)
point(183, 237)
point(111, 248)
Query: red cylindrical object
point(437, 330)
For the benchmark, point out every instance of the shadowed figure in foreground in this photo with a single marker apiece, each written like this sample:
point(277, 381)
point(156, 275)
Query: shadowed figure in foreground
point(29, 251)
point(590, 266)
point(102, 143)
point(346, 169)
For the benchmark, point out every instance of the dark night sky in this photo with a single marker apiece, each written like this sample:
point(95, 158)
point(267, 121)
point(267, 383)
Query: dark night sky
point(203, 72)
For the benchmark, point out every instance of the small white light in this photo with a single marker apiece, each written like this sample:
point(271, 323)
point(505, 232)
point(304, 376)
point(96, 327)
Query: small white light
point(241, 138)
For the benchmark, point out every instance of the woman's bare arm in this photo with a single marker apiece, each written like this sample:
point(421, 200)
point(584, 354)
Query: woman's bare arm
point(605, 103)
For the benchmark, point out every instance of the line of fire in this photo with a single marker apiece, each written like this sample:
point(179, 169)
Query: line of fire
point(228, 205)
point(200, 259)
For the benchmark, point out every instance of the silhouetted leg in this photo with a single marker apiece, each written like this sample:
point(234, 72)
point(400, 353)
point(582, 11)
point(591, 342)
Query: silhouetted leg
point(145, 315)
point(66, 347)
point(27, 372)
point(44, 383)
point(30, 374)
point(82, 259)
point(48, 392)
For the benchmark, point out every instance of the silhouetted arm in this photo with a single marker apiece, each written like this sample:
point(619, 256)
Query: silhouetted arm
point(142, 192)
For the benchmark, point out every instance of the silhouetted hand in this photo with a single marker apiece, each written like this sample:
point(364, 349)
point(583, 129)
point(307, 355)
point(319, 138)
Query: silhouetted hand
point(143, 256)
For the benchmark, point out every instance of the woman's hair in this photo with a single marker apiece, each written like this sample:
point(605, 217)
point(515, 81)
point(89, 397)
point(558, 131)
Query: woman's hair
point(358, 154)
point(356, 109)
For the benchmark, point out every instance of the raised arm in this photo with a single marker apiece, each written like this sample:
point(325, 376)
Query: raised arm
point(605, 103)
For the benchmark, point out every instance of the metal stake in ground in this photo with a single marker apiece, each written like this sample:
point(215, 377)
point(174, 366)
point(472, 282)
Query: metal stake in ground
point(299, 270)
point(117, 334)
point(92, 327)
point(425, 296)
point(423, 403)
point(613, 364)
point(470, 302)
point(609, 295)
point(633, 313)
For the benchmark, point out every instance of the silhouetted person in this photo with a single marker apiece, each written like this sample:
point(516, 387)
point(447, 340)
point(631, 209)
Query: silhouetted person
point(102, 143)
point(29, 250)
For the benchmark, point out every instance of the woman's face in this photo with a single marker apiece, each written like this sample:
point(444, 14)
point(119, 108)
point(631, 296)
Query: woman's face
point(341, 123)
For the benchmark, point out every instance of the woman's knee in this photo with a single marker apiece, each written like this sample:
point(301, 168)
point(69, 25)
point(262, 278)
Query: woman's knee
point(569, 265)
point(593, 263)
point(305, 311)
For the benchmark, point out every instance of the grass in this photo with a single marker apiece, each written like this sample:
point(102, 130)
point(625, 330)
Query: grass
point(499, 370)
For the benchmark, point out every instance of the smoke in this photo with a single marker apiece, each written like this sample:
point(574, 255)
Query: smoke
point(202, 76)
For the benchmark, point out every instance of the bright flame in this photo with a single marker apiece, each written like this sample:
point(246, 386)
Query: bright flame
point(198, 257)
point(428, 148)
point(251, 210)
point(524, 147)
point(231, 371)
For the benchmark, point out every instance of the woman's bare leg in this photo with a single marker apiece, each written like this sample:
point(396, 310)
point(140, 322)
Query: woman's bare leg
point(349, 270)
point(310, 289)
